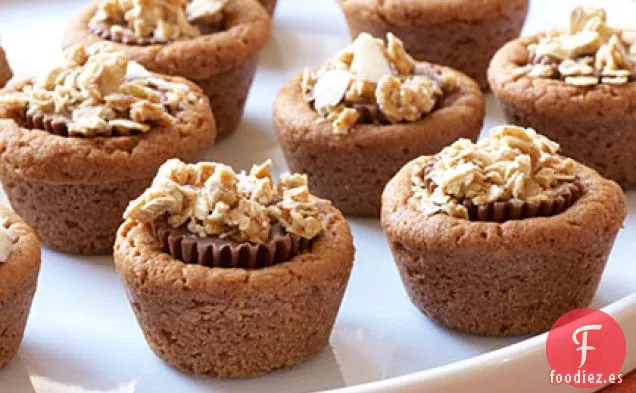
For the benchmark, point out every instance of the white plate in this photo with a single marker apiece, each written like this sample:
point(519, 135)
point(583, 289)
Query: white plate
point(82, 336)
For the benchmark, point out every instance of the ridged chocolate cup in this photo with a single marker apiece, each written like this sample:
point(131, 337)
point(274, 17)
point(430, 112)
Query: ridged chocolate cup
point(502, 211)
point(214, 251)
point(55, 124)
point(102, 30)
point(58, 124)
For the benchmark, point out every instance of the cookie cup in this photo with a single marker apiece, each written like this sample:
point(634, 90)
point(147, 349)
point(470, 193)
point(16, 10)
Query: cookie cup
point(18, 281)
point(222, 64)
point(234, 322)
point(461, 34)
point(351, 170)
point(5, 70)
point(73, 191)
point(505, 279)
point(594, 125)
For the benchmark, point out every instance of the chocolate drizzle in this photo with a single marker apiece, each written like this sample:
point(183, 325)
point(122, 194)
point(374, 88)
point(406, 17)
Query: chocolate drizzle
point(214, 251)
point(501, 211)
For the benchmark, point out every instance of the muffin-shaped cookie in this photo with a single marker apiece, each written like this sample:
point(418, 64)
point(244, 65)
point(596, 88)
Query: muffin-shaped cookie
point(214, 43)
point(233, 275)
point(19, 269)
point(5, 70)
point(82, 140)
point(577, 87)
point(351, 123)
point(495, 238)
point(461, 34)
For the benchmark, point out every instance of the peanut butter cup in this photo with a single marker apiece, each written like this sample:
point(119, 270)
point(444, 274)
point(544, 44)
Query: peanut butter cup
point(220, 252)
point(82, 140)
point(351, 123)
point(575, 86)
point(500, 211)
point(493, 238)
point(258, 257)
point(214, 43)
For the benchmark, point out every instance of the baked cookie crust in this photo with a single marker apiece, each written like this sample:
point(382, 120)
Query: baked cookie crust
point(18, 282)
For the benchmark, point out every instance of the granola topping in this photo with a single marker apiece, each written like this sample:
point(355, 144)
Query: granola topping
point(99, 92)
point(513, 164)
point(587, 54)
point(372, 81)
point(6, 241)
point(210, 199)
point(156, 21)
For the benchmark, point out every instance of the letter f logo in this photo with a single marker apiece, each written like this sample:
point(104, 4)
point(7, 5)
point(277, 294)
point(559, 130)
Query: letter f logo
point(584, 348)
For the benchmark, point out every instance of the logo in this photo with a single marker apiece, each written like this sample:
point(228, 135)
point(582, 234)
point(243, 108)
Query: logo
point(586, 348)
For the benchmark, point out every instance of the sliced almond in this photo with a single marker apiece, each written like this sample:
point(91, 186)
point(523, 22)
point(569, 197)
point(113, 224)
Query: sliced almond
point(128, 125)
point(331, 88)
point(136, 70)
point(615, 80)
point(541, 71)
point(616, 73)
point(87, 112)
point(581, 81)
point(575, 68)
point(205, 10)
point(580, 17)
point(166, 85)
point(369, 62)
point(551, 49)
point(581, 43)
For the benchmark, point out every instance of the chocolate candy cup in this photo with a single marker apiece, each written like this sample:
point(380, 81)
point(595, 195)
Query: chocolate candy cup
point(102, 30)
point(58, 125)
point(214, 251)
point(55, 124)
point(501, 211)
